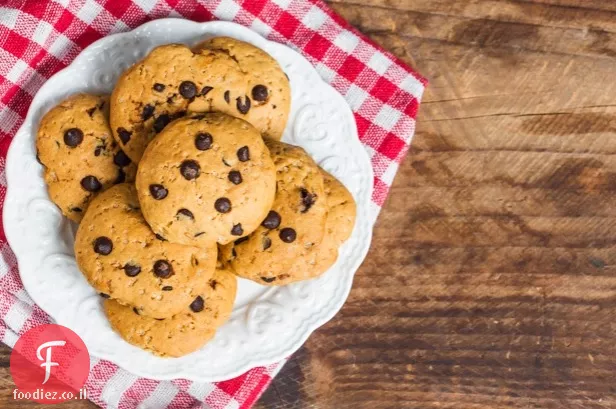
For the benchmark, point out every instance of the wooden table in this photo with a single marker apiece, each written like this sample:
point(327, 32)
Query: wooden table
point(491, 282)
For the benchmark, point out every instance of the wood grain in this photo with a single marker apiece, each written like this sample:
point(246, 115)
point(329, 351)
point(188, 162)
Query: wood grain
point(491, 281)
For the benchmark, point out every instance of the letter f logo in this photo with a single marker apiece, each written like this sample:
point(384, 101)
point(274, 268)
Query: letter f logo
point(48, 364)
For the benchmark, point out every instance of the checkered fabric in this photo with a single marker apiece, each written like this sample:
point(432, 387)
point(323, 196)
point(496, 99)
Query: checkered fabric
point(38, 38)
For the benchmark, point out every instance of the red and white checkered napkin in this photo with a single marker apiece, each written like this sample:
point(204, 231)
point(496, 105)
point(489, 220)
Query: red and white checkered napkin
point(38, 38)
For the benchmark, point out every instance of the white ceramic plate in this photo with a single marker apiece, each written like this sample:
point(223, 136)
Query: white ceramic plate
point(268, 323)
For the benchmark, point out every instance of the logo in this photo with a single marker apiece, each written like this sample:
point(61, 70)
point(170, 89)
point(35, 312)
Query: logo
point(50, 364)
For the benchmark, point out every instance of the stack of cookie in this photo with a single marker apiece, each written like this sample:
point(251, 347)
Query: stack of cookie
point(180, 184)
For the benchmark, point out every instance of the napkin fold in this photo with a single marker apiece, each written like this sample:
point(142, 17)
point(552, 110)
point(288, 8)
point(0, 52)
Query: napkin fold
point(38, 38)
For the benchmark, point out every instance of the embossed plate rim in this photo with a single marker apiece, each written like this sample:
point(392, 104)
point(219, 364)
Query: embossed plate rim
point(26, 194)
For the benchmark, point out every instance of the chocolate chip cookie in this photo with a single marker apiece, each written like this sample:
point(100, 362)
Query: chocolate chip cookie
point(169, 82)
point(123, 259)
point(206, 178)
point(341, 212)
point(81, 159)
point(186, 331)
point(269, 99)
point(292, 229)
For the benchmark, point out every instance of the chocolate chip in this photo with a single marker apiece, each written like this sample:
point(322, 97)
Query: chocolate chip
point(121, 159)
point(268, 279)
point(199, 234)
point(105, 296)
point(160, 122)
point(203, 141)
point(213, 284)
point(190, 169)
point(147, 112)
point(235, 177)
point(73, 137)
point(308, 199)
point(222, 205)
point(98, 150)
point(158, 87)
point(188, 89)
point(267, 243)
point(243, 107)
point(163, 269)
point(240, 241)
point(132, 270)
point(124, 135)
point(243, 154)
point(177, 115)
point(237, 230)
point(158, 192)
point(227, 98)
point(159, 237)
point(260, 93)
point(167, 288)
point(185, 213)
point(91, 111)
point(121, 177)
point(205, 90)
point(288, 235)
point(76, 209)
point(136, 311)
point(272, 220)
point(197, 305)
point(103, 245)
point(91, 184)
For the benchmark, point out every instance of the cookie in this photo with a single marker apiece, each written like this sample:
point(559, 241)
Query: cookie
point(123, 259)
point(293, 227)
point(341, 213)
point(268, 85)
point(206, 178)
point(170, 81)
point(81, 159)
point(186, 331)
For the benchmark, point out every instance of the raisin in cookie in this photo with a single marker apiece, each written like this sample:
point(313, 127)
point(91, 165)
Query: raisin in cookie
point(170, 81)
point(293, 227)
point(184, 332)
point(80, 156)
point(122, 258)
point(206, 178)
point(269, 97)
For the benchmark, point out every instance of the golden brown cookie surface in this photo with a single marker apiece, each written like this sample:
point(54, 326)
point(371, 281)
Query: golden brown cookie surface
point(81, 158)
point(121, 257)
point(341, 213)
point(292, 229)
point(169, 82)
point(206, 178)
point(186, 331)
point(268, 85)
